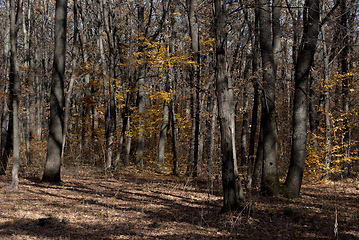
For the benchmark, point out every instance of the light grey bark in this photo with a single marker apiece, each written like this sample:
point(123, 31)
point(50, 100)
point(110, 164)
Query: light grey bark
point(128, 144)
point(256, 100)
point(57, 98)
point(110, 114)
point(211, 137)
point(232, 189)
point(141, 85)
point(269, 37)
point(327, 142)
point(163, 134)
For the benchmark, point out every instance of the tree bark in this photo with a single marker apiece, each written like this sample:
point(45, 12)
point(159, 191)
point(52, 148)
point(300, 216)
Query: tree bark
point(6, 118)
point(232, 189)
point(141, 85)
point(57, 98)
point(211, 137)
point(344, 69)
point(269, 37)
point(195, 83)
point(72, 79)
point(14, 95)
point(300, 109)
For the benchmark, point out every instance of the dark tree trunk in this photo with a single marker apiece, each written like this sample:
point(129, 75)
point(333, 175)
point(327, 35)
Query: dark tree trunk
point(252, 137)
point(300, 108)
point(344, 68)
point(57, 98)
point(244, 126)
point(232, 189)
point(14, 95)
point(258, 165)
point(6, 117)
point(195, 83)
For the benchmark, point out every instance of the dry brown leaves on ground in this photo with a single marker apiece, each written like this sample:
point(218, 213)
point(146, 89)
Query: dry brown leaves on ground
point(88, 206)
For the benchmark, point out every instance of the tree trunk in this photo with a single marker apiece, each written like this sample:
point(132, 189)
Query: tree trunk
point(6, 118)
point(141, 85)
point(269, 45)
point(172, 76)
point(344, 69)
point(258, 165)
point(211, 137)
point(14, 95)
point(195, 83)
point(232, 189)
point(256, 101)
point(72, 79)
point(27, 30)
point(244, 127)
point(327, 126)
point(57, 98)
point(174, 137)
point(125, 122)
point(300, 108)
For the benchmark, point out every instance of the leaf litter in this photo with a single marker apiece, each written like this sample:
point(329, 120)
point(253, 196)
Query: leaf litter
point(152, 206)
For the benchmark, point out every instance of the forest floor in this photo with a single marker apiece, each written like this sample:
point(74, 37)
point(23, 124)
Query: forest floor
point(152, 206)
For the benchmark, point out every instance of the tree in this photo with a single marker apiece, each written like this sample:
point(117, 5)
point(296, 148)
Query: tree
point(232, 189)
point(14, 94)
point(306, 53)
point(195, 76)
point(7, 113)
point(269, 38)
point(57, 98)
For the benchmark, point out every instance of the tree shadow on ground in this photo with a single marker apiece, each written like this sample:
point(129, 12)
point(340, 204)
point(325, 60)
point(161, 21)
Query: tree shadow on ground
point(154, 209)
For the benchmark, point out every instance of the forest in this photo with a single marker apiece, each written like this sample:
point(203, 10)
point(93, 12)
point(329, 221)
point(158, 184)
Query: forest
point(179, 119)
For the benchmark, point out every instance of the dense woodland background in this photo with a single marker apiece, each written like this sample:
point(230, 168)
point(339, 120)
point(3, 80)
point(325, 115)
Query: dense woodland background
point(141, 83)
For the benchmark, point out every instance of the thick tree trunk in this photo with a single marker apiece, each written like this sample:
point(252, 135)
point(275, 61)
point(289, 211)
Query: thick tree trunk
point(232, 189)
point(57, 98)
point(300, 108)
point(269, 45)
